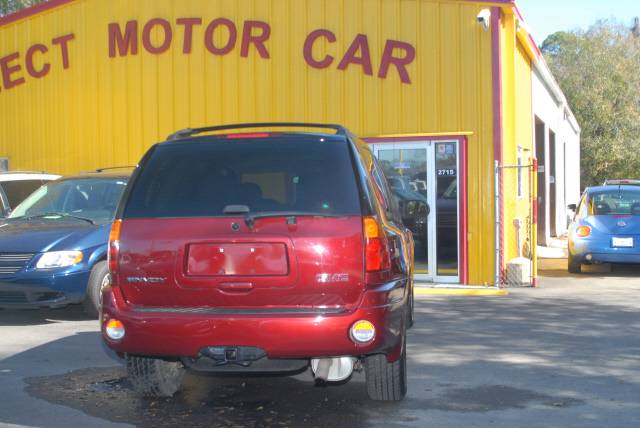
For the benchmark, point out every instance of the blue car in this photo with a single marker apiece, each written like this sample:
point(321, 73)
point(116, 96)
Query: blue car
point(53, 246)
point(606, 227)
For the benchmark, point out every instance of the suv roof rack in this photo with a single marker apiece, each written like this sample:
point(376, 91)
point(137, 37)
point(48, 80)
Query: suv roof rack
point(99, 170)
point(186, 133)
point(113, 167)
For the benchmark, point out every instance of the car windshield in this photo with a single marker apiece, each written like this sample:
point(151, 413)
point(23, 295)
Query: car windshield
point(615, 202)
point(87, 198)
point(17, 191)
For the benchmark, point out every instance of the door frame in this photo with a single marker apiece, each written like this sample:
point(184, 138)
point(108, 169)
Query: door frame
point(540, 138)
point(427, 146)
point(408, 142)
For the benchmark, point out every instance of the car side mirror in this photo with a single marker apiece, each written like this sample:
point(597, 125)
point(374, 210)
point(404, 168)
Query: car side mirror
point(572, 207)
point(416, 208)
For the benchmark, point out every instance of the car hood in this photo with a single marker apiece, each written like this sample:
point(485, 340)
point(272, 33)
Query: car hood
point(33, 236)
point(614, 224)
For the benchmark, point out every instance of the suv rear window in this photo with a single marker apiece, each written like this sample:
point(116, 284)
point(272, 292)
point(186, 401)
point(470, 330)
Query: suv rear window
point(199, 178)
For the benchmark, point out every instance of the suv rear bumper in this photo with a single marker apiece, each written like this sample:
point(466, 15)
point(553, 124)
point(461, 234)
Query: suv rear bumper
point(286, 335)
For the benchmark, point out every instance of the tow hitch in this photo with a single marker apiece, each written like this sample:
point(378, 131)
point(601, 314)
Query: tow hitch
point(243, 356)
point(241, 359)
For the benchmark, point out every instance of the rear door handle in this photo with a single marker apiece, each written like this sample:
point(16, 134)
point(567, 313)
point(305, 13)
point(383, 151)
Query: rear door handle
point(236, 287)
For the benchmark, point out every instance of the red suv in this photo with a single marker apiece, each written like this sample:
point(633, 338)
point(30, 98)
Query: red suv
point(260, 252)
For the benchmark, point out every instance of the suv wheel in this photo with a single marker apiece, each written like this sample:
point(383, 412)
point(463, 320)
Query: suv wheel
point(386, 381)
point(154, 377)
point(98, 278)
point(574, 266)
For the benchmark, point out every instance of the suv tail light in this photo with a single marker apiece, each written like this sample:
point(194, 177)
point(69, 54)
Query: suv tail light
point(114, 247)
point(376, 251)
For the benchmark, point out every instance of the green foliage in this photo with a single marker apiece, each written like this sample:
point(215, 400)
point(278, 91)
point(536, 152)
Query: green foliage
point(10, 6)
point(599, 72)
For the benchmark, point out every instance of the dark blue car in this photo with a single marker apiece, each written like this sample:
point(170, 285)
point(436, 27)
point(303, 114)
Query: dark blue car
point(53, 246)
point(606, 228)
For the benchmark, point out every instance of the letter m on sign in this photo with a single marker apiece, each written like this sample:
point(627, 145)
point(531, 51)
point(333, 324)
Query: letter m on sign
point(123, 44)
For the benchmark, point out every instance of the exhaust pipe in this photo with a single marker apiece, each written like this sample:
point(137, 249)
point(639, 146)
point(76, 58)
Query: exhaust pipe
point(333, 369)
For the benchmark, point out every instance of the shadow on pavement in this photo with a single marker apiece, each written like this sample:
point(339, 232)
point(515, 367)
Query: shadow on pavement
point(259, 402)
point(557, 268)
point(19, 317)
point(525, 353)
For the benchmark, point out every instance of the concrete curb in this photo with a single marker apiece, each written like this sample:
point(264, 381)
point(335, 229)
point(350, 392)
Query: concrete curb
point(419, 291)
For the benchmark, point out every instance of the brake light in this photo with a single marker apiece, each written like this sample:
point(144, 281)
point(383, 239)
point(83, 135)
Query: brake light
point(377, 257)
point(583, 231)
point(239, 136)
point(114, 247)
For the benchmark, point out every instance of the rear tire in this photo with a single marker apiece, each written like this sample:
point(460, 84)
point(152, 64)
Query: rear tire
point(154, 377)
point(573, 265)
point(386, 381)
point(93, 300)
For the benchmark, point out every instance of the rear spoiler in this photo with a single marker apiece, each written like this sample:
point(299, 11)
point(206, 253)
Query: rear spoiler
point(189, 132)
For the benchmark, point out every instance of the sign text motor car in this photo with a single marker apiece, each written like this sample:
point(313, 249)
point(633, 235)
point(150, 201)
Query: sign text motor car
point(219, 37)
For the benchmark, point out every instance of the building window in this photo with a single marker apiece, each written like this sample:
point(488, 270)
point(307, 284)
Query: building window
point(520, 164)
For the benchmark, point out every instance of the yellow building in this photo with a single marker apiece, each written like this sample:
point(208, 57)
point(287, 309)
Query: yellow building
point(442, 89)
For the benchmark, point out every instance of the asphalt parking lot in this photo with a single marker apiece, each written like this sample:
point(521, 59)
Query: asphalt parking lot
point(564, 355)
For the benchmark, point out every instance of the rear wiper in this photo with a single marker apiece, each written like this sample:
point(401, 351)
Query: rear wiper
point(249, 217)
point(55, 214)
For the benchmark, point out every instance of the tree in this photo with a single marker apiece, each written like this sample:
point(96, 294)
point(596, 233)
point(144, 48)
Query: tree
point(598, 70)
point(10, 6)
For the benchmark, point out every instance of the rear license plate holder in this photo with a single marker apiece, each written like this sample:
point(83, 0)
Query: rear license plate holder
point(618, 242)
point(253, 259)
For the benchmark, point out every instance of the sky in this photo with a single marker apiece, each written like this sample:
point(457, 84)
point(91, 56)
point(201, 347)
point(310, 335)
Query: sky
point(545, 17)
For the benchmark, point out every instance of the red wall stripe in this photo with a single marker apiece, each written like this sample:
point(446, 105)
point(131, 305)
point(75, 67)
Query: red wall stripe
point(33, 10)
point(39, 8)
point(464, 213)
point(378, 140)
point(496, 65)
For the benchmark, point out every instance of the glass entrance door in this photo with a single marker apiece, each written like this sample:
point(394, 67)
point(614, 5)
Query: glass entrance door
point(405, 167)
point(423, 176)
point(446, 215)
